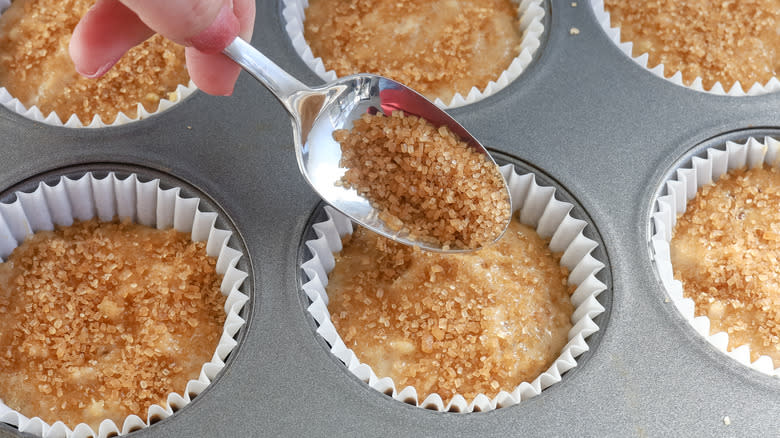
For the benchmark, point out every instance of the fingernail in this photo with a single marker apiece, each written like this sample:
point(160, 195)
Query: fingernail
point(99, 72)
point(219, 34)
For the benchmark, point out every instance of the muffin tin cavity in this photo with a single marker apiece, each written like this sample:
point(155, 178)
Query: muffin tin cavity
point(107, 192)
point(700, 167)
point(544, 207)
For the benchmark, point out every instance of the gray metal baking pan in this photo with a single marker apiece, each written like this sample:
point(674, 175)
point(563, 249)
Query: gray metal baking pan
point(583, 114)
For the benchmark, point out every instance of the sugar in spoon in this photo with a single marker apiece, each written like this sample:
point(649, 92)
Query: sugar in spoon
point(317, 112)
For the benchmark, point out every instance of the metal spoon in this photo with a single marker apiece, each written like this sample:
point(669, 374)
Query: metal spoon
point(317, 112)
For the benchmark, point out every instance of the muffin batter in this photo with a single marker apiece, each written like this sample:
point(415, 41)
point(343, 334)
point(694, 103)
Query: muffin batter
point(464, 324)
point(101, 320)
point(718, 41)
point(725, 250)
point(36, 68)
point(436, 47)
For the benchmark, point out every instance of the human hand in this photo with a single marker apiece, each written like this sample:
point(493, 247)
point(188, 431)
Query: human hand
point(112, 27)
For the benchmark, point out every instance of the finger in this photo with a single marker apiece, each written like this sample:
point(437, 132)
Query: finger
point(208, 25)
point(245, 11)
point(104, 34)
point(215, 73)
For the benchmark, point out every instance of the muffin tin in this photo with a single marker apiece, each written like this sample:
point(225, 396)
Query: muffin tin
point(583, 116)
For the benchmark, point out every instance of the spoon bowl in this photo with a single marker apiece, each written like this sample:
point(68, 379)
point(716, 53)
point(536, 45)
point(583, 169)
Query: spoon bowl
point(317, 112)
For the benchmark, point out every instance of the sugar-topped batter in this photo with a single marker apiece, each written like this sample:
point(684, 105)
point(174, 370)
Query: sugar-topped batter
point(722, 42)
point(436, 47)
point(101, 320)
point(36, 68)
point(725, 250)
point(464, 324)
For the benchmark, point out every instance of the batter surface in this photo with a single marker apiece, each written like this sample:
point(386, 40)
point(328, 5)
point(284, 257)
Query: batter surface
point(101, 320)
point(464, 324)
point(725, 250)
point(723, 41)
point(437, 47)
point(36, 68)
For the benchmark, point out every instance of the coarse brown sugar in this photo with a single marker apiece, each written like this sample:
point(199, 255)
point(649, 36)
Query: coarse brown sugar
point(725, 251)
point(36, 68)
point(718, 41)
point(463, 324)
point(424, 180)
point(437, 47)
point(102, 320)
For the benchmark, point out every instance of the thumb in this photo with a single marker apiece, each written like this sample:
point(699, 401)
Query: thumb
point(207, 25)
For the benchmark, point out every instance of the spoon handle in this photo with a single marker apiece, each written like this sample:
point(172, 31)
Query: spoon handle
point(279, 82)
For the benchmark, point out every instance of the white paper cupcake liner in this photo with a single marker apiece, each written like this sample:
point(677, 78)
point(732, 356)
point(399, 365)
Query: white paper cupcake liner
point(531, 13)
point(756, 89)
point(72, 120)
point(539, 209)
point(147, 204)
point(678, 190)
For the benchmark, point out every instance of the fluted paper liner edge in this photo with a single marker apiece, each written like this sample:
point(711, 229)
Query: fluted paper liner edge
point(147, 204)
point(706, 168)
point(537, 208)
point(72, 120)
point(530, 21)
point(736, 90)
